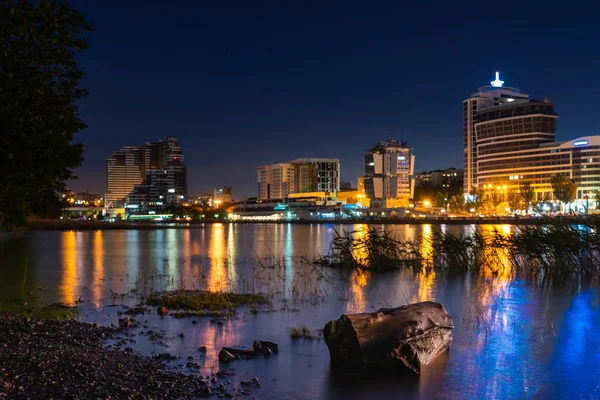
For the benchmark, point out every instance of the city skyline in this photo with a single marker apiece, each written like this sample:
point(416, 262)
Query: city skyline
point(328, 90)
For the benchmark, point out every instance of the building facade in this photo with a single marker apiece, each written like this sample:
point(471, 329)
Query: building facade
point(302, 175)
point(123, 170)
point(510, 139)
point(275, 181)
point(222, 196)
point(316, 174)
point(345, 185)
point(486, 97)
point(153, 173)
point(389, 167)
point(440, 178)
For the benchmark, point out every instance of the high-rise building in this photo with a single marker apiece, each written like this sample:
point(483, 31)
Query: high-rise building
point(509, 139)
point(123, 170)
point(316, 174)
point(301, 175)
point(275, 181)
point(389, 167)
point(153, 173)
point(486, 97)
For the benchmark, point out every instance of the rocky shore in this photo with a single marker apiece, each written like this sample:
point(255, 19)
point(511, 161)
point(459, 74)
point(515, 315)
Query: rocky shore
point(68, 359)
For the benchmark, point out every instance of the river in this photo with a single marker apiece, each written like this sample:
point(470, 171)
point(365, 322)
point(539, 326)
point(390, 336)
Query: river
point(513, 338)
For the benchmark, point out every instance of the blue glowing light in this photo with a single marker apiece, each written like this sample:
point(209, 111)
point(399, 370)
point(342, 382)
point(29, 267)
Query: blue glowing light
point(497, 82)
point(280, 207)
point(580, 143)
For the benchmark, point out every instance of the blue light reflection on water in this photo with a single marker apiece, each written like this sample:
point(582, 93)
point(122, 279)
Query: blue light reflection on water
point(576, 357)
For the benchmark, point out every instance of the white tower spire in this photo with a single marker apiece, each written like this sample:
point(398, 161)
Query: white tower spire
point(497, 82)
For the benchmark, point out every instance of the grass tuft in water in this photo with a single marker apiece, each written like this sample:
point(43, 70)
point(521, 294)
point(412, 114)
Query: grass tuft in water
point(198, 303)
point(302, 332)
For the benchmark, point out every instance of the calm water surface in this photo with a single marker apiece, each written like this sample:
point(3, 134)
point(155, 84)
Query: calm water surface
point(513, 338)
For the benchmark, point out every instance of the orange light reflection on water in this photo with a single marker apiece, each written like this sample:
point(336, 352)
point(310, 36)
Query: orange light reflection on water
point(360, 254)
point(217, 277)
point(426, 277)
point(358, 301)
point(359, 278)
point(69, 278)
point(98, 268)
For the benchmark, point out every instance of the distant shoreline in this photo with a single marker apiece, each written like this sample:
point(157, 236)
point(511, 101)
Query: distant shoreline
point(69, 225)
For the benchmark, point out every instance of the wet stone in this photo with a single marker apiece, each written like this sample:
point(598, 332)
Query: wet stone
point(126, 323)
point(226, 356)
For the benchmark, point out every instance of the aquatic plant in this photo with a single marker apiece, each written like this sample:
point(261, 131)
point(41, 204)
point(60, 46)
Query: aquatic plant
point(302, 332)
point(372, 249)
point(558, 246)
point(204, 303)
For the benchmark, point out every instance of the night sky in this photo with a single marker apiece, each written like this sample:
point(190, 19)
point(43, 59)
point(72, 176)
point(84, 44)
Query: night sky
point(248, 83)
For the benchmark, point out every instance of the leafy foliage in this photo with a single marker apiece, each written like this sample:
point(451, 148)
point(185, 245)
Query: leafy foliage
point(39, 88)
point(565, 190)
point(526, 191)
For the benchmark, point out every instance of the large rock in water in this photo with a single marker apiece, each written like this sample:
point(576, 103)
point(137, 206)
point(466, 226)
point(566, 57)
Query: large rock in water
point(410, 337)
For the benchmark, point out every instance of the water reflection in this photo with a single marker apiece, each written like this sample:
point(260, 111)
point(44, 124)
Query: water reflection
point(98, 268)
point(496, 269)
point(358, 300)
point(217, 277)
point(511, 339)
point(69, 276)
point(425, 278)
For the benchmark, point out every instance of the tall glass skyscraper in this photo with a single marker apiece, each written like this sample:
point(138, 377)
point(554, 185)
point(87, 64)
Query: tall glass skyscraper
point(152, 173)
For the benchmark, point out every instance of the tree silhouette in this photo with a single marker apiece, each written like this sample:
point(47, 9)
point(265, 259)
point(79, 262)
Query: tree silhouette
point(565, 190)
point(39, 88)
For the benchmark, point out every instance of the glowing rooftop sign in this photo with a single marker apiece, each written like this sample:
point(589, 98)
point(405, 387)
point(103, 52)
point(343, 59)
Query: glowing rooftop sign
point(580, 143)
point(497, 82)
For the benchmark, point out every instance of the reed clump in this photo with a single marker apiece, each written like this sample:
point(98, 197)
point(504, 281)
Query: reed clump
point(557, 247)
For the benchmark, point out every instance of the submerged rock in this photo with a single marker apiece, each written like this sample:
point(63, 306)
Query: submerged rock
point(265, 347)
point(226, 356)
point(241, 351)
point(402, 338)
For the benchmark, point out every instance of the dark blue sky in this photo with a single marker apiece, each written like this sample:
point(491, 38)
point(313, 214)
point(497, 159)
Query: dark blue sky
point(249, 83)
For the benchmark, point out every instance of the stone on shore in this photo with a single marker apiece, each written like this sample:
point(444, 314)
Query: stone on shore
point(42, 359)
point(403, 338)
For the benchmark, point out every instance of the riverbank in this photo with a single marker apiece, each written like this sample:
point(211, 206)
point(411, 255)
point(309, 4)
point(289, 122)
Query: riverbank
point(68, 359)
point(79, 225)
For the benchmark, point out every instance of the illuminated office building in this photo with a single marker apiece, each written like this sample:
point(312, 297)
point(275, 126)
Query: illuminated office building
point(389, 167)
point(153, 173)
point(509, 139)
point(302, 175)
